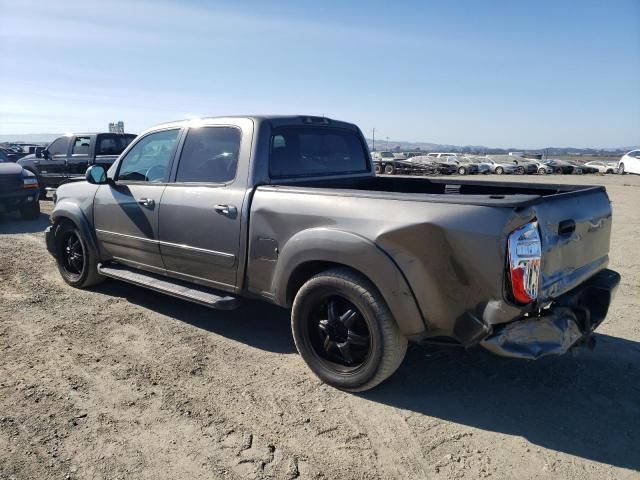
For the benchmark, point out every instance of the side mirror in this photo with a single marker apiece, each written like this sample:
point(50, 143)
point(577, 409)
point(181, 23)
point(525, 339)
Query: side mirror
point(96, 175)
point(45, 154)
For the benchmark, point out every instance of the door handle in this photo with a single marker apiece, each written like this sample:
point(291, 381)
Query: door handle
point(147, 202)
point(226, 210)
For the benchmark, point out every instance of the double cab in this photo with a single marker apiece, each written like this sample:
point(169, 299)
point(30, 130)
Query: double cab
point(68, 157)
point(288, 210)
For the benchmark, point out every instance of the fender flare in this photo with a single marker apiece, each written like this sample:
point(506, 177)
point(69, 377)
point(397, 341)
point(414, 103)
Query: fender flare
point(67, 210)
point(358, 253)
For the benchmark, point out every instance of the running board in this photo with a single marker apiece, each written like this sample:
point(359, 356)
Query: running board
point(176, 288)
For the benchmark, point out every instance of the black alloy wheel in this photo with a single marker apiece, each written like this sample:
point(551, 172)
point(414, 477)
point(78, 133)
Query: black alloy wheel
point(72, 254)
point(339, 334)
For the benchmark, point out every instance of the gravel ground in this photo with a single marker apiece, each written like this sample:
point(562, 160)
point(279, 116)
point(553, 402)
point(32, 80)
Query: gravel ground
point(120, 382)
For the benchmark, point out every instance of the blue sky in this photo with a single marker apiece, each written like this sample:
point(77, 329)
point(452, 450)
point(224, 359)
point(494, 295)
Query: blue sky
point(497, 73)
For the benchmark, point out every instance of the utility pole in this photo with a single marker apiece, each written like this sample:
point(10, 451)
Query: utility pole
point(374, 139)
point(387, 143)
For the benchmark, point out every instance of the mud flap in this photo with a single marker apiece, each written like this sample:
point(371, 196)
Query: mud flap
point(533, 338)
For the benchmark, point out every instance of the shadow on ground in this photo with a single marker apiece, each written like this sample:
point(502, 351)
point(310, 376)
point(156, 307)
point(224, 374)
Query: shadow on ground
point(257, 324)
point(11, 223)
point(585, 403)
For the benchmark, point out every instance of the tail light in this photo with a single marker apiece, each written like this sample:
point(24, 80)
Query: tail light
point(525, 256)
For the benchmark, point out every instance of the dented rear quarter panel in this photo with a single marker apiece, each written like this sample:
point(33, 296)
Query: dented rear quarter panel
point(444, 263)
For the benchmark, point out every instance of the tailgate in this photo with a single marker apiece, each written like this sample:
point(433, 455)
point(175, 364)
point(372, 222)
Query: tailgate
point(575, 229)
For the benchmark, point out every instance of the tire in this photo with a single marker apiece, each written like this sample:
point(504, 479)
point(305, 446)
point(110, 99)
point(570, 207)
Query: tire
point(377, 169)
point(499, 170)
point(621, 169)
point(79, 273)
point(389, 170)
point(520, 171)
point(609, 171)
point(542, 171)
point(335, 348)
point(559, 171)
point(462, 171)
point(30, 211)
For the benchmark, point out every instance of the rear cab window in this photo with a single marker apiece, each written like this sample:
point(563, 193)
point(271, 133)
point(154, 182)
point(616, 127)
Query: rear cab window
point(312, 151)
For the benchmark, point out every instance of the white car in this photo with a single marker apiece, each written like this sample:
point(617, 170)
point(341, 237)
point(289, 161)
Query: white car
point(629, 163)
point(603, 167)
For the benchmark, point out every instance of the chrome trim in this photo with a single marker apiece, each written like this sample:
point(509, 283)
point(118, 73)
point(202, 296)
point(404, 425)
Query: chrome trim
point(197, 249)
point(133, 237)
point(169, 244)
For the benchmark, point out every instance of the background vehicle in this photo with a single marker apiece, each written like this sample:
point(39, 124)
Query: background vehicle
point(629, 163)
point(18, 190)
point(601, 167)
point(542, 168)
point(584, 168)
point(288, 210)
point(383, 162)
point(560, 166)
point(463, 165)
point(500, 167)
point(69, 156)
point(483, 166)
point(438, 166)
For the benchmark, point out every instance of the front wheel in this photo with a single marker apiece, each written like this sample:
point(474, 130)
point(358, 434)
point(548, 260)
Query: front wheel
point(344, 331)
point(499, 171)
point(621, 169)
point(462, 171)
point(377, 169)
point(77, 262)
point(542, 171)
point(389, 170)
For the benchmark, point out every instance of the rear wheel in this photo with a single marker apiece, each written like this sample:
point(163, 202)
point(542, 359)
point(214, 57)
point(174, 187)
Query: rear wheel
point(377, 169)
point(389, 170)
point(499, 170)
point(345, 332)
point(30, 211)
point(542, 171)
point(77, 262)
point(462, 171)
point(520, 171)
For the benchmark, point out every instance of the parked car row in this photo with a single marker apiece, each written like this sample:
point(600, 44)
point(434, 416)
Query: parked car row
point(434, 163)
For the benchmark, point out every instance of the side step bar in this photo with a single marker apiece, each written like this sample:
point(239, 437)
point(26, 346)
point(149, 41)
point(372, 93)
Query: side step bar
point(176, 288)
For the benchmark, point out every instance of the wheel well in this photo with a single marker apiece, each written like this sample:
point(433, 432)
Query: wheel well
point(305, 271)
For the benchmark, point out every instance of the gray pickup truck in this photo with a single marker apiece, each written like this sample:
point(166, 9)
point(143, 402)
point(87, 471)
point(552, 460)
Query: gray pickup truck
point(288, 210)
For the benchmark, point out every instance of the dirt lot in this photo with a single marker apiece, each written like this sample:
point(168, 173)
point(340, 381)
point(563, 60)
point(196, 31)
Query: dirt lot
point(120, 382)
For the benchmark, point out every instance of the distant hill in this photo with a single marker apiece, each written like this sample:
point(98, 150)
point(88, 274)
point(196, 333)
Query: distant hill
point(404, 146)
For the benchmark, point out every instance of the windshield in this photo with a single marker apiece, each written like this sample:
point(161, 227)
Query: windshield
point(309, 151)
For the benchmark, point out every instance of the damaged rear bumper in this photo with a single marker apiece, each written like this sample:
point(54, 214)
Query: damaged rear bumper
point(569, 321)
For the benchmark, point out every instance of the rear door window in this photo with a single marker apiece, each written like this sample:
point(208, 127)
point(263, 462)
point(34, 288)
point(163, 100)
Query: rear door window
point(309, 151)
point(81, 146)
point(209, 155)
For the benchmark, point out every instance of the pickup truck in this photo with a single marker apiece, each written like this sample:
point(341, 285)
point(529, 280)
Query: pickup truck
point(288, 210)
point(67, 157)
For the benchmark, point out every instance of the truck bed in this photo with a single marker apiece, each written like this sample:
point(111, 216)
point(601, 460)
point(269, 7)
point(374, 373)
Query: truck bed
point(447, 190)
point(447, 236)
